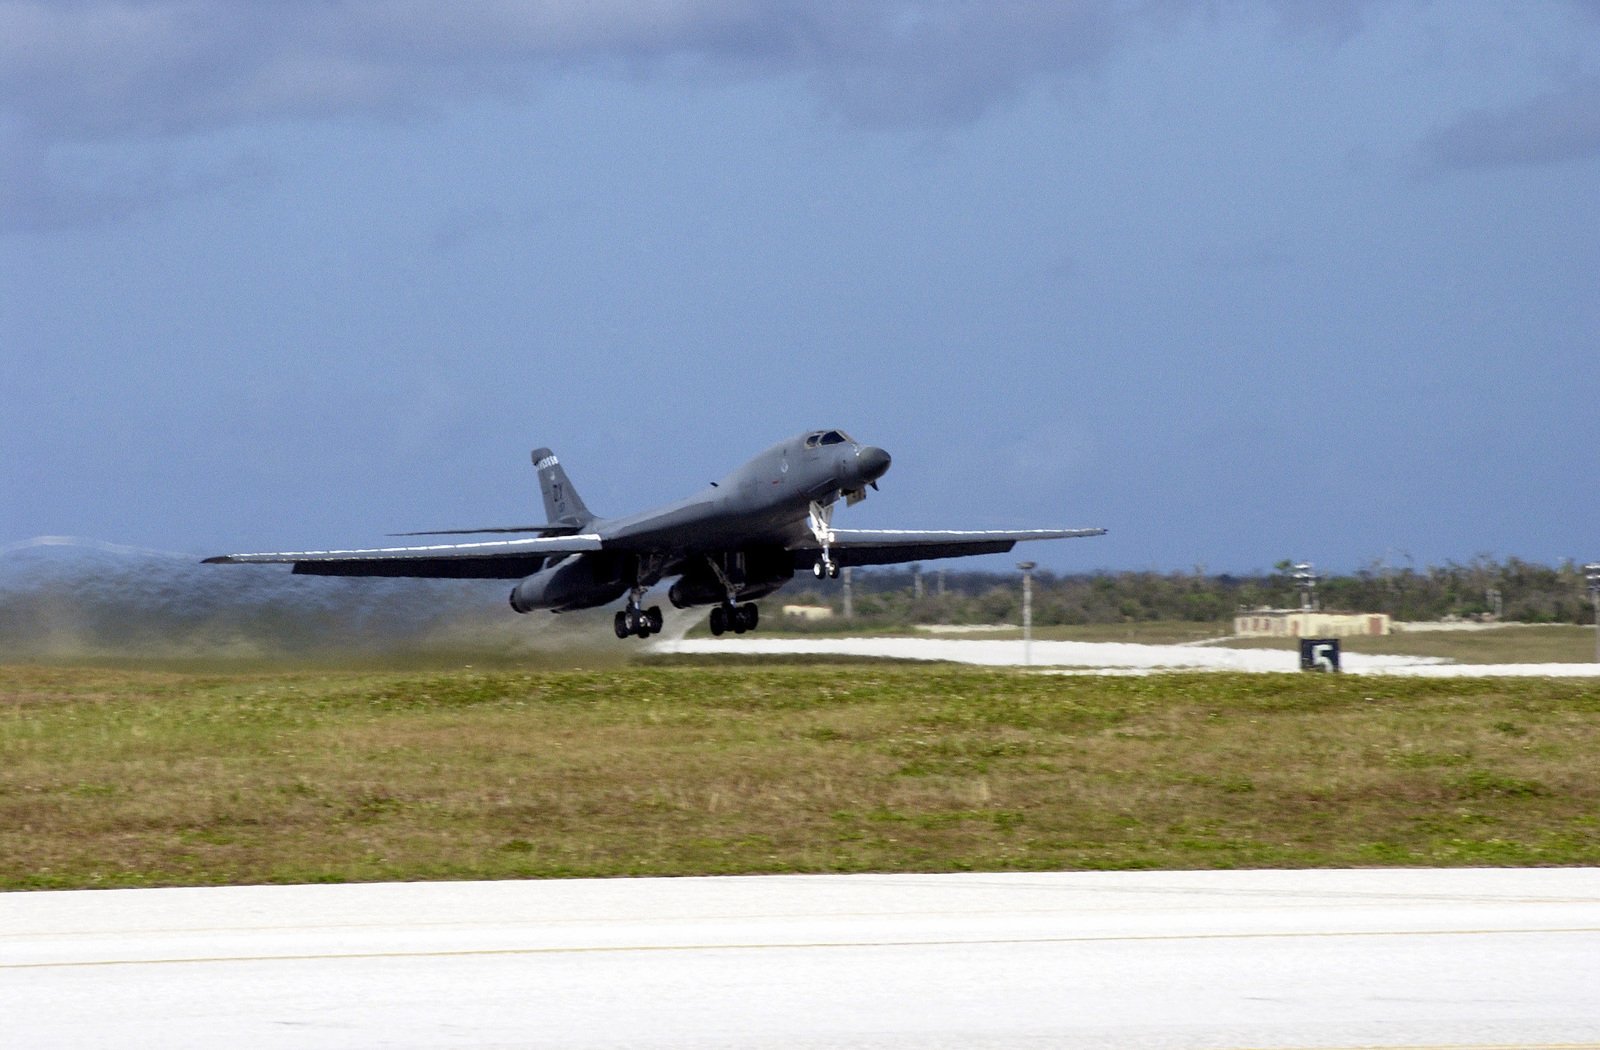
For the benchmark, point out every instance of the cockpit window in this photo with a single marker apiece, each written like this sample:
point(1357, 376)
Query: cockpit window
point(828, 437)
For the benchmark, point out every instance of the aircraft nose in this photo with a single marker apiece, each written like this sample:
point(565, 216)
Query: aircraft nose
point(872, 462)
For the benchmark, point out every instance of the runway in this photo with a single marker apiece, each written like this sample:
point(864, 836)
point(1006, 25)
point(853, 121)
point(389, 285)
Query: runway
point(1390, 958)
point(1108, 657)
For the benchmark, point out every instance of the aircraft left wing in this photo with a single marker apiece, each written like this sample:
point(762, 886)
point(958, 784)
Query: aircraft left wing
point(486, 560)
point(893, 546)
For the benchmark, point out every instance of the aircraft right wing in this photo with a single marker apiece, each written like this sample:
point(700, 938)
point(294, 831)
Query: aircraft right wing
point(893, 546)
point(485, 560)
point(543, 530)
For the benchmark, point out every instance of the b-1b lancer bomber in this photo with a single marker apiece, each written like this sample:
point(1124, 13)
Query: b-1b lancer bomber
point(738, 540)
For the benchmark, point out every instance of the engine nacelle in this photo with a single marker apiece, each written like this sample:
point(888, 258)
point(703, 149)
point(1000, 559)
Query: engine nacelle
point(696, 590)
point(579, 582)
point(762, 571)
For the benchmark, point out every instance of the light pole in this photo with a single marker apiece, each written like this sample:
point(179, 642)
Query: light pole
point(1591, 572)
point(1305, 577)
point(1027, 568)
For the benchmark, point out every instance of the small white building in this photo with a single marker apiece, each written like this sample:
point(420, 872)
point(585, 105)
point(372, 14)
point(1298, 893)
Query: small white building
point(808, 612)
point(1296, 623)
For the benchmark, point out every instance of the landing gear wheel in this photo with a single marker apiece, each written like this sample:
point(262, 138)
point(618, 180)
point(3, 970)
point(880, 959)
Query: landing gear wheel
point(833, 571)
point(819, 570)
point(750, 615)
point(637, 623)
point(719, 621)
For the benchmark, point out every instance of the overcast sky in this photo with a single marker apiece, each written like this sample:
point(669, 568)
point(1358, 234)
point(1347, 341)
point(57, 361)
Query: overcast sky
point(1239, 280)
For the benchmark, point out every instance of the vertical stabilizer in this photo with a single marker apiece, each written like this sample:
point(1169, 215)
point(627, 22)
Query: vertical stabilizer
point(562, 504)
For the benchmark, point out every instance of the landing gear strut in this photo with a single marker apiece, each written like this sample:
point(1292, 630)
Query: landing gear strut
point(820, 519)
point(736, 618)
point(636, 620)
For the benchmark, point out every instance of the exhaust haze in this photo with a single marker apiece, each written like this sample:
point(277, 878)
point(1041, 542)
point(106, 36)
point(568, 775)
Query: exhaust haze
point(64, 599)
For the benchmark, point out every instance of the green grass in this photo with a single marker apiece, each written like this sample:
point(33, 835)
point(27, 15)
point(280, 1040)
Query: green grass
point(137, 778)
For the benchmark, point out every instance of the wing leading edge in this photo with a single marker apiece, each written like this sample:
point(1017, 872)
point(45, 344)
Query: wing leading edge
point(893, 546)
point(486, 560)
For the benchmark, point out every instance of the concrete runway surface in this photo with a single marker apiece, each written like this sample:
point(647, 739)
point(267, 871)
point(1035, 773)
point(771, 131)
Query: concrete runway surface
point(1109, 657)
point(1365, 958)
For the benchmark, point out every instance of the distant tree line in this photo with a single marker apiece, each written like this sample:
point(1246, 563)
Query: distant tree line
point(1512, 590)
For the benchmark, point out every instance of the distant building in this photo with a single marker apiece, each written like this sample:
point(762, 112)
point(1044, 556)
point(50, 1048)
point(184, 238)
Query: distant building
point(1294, 623)
point(808, 612)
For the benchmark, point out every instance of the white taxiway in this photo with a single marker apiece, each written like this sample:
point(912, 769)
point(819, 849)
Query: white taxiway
point(1369, 958)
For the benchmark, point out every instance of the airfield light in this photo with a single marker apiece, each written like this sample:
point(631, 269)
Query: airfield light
point(1591, 572)
point(1305, 577)
point(1027, 568)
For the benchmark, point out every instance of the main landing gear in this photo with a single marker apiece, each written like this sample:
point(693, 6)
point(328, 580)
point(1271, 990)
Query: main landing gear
point(636, 620)
point(736, 618)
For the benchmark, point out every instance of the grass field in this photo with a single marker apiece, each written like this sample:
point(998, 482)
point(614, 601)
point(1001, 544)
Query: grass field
point(676, 767)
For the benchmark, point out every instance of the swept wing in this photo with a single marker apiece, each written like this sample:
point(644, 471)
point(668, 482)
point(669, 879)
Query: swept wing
point(484, 560)
point(893, 546)
point(543, 530)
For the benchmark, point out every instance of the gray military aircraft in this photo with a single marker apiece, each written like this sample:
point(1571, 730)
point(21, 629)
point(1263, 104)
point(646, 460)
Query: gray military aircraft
point(740, 539)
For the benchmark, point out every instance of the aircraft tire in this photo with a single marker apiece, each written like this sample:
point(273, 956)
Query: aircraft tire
point(621, 625)
point(750, 615)
point(719, 621)
point(653, 618)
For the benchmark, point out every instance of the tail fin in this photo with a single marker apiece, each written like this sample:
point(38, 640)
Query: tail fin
point(562, 504)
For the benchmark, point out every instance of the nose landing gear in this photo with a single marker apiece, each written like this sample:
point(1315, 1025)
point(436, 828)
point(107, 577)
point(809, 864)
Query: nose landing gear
point(820, 520)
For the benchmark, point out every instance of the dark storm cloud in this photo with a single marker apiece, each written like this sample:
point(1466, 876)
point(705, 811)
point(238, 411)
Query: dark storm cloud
point(92, 78)
point(1559, 126)
point(935, 64)
point(92, 69)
